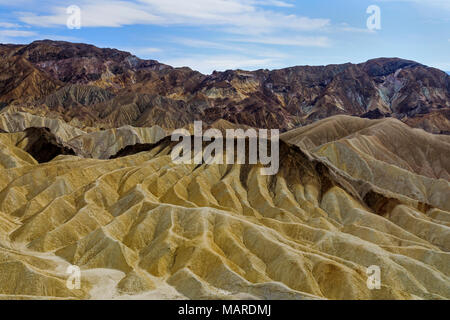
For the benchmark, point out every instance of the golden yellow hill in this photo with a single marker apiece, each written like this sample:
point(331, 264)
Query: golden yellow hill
point(386, 153)
point(142, 226)
point(92, 143)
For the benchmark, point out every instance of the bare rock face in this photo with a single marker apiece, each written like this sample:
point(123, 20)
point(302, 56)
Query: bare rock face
point(22, 81)
point(141, 226)
point(381, 151)
point(44, 146)
point(39, 144)
point(87, 179)
point(100, 144)
point(111, 88)
point(104, 144)
point(73, 96)
point(19, 121)
point(437, 122)
point(386, 140)
point(82, 63)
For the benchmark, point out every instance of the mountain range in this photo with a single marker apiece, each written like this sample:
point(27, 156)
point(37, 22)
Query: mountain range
point(92, 87)
point(87, 180)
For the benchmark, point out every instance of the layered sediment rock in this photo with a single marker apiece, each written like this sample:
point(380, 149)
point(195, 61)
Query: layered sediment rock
point(87, 179)
point(108, 88)
point(100, 144)
point(143, 226)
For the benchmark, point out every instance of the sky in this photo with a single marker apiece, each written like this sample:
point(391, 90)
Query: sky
point(208, 35)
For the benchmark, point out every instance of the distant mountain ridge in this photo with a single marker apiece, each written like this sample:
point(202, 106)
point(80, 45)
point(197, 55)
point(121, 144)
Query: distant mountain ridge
point(87, 179)
point(93, 87)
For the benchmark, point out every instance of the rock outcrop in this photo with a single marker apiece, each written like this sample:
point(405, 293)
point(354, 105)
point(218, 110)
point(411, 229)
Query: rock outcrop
point(108, 88)
point(143, 226)
point(100, 144)
point(87, 179)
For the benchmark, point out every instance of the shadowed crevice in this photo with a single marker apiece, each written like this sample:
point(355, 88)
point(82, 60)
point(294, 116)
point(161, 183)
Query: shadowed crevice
point(43, 145)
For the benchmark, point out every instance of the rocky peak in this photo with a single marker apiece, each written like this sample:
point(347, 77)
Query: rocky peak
point(283, 98)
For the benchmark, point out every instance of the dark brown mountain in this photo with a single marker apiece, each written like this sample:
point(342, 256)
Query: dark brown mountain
point(109, 88)
point(20, 80)
point(44, 145)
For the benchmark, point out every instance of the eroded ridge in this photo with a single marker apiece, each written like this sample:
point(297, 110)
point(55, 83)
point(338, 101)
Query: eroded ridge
point(142, 226)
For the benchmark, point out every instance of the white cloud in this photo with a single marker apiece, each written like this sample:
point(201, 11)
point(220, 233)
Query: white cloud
point(96, 14)
point(198, 43)
point(243, 16)
point(276, 3)
point(207, 64)
point(148, 50)
point(9, 25)
point(13, 36)
point(348, 28)
point(16, 33)
point(16, 3)
point(241, 46)
point(291, 41)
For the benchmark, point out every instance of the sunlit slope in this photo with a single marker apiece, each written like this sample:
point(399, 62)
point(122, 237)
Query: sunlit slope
point(92, 143)
point(141, 226)
point(11, 155)
point(387, 140)
point(386, 153)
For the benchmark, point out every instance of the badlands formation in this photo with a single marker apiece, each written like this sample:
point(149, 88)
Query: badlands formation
point(87, 180)
point(88, 86)
point(347, 196)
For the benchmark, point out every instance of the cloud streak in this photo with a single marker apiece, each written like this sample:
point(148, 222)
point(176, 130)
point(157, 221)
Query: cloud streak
point(9, 25)
point(236, 16)
point(10, 35)
point(17, 33)
point(291, 41)
point(207, 64)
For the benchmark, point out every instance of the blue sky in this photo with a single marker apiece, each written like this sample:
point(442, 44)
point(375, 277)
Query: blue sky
point(209, 35)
